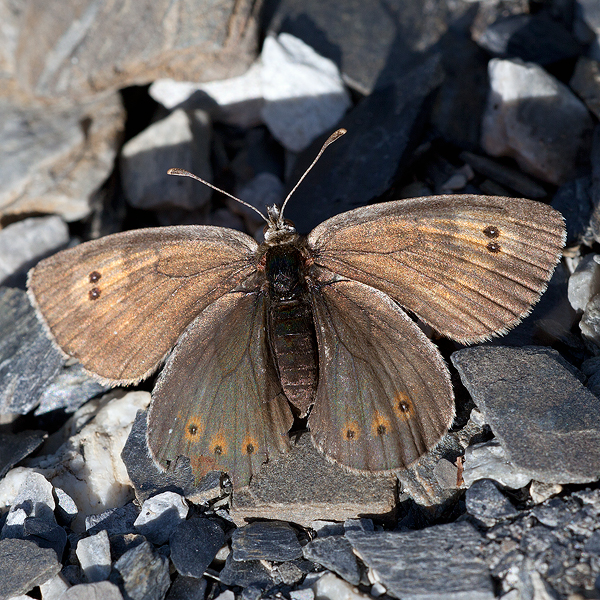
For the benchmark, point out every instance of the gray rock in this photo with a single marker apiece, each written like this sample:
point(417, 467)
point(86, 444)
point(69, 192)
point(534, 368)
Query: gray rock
point(70, 389)
point(584, 283)
point(289, 573)
point(440, 562)
point(574, 201)
point(265, 540)
point(25, 242)
point(187, 588)
point(585, 82)
point(365, 162)
point(28, 359)
point(160, 515)
point(15, 447)
point(487, 503)
point(72, 58)
point(103, 590)
point(45, 533)
point(24, 565)
point(115, 520)
point(511, 178)
point(142, 574)
point(302, 486)
point(54, 158)
point(302, 594)
point(248, 573)
point(535, 119)
point(591, 369)
point(148, 480)
point(54, 588)
point(194, 545)
point(590, 321)
point(588, 12)
point(540, 492)
point(551, 432)
point(535, 38)
point(180, 140)
point(335, 554)
point(93, 553)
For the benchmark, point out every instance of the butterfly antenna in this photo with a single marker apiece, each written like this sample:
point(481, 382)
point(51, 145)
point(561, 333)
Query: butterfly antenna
point(184, 173)
point(332, 138)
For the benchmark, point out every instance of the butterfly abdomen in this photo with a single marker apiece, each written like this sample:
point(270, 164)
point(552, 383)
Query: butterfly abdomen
point(291, 326)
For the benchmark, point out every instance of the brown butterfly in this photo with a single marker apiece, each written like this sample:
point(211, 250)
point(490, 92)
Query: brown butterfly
point(305, 325)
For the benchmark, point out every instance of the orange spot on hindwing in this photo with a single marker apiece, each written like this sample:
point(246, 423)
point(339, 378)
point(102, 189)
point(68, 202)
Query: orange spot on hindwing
point(193, 429)
point(351, 432)
point(380, 425)
point(249, 446)
point(403, 407)
point(218, 445)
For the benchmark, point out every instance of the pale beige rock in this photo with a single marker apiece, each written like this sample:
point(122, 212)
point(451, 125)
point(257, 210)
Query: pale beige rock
point(53, 159)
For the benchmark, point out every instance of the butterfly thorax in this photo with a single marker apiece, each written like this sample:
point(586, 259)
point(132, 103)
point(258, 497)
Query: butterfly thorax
point(291, 326)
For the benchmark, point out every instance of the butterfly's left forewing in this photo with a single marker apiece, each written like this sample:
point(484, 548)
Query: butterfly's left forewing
point(218, 400)
point(384, 396)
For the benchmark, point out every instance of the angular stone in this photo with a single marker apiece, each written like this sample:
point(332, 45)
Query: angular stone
point(15, 447)
point(302, 486)
point(54, 588)
point(584, 283)
point(24, 565)
point(103, 590)
point(25, 242)
point(487, 503)
point(330, 587)
point(335, 554)
point(114, 521)
point(590, 322)
point(535, 119)
point(550, 432)
point(187, 588)
point(197, 42)
point(160, 515)
point(142, 574)
point(352, 172)
point(194, 545)
point(248, 573)
point(585, 82)
point(179, 140)
point(441, 562)
point(93, 553)
point(28, 359)
point(45, 533)
point(54, 158)
point(265, 540)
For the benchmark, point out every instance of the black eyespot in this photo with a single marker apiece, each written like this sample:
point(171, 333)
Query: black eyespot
point(491, 231)
point(403, 406)
point(218, 450)
point(493, 247)
point(381, 429)
point(250, 449)
point(94, 276)
point(94, 293)
point(350, 434)
point(193, 429)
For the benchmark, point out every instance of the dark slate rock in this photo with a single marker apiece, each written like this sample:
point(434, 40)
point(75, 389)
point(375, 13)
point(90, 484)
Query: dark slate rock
point(120, 543)
point(248, 573)
point(187, 588)
point(46, 534)
point(487, 503)
point(15, 447)
point(334, 553)
point(102, 590)
point(148, 480)
point(550, 432)
point(363, 164)
point(374, 42)
point(142, 574)
point(574, 201)
point(24, 565)
point(71, 388)
point(160, 515)
point(114, 521)
point(585, 82)
point(289, 573)
point(265, 540)
point(533, 38)
point(194, 545)
point(28, 359)
point(441, 562)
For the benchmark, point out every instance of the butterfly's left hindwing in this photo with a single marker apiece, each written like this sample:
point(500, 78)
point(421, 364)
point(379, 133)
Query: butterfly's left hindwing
point(218, 400)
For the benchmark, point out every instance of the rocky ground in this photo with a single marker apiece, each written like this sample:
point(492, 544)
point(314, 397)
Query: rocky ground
point(494, 97)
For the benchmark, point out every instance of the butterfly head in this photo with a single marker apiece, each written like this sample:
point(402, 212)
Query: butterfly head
point(278, 229)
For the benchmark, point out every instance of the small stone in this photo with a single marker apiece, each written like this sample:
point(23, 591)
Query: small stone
point(325, 528)
point(590, 321)
point(305, 594)
point(187, 588)
point(246, 573)
point(24, 565)
point(54, 588)
point(120, 543)
point(66, 509)
point(584, 283)
point(265, 540)
point(181, 140)
point(303, 92)
point(302, 486)
point(441, 562)
point(289, 573)
point(540, 492)
point(330, 587)
point(114, 521)
point(23, 243)
point(15, 447)
point(550, 432)
point(486, 502)
point(160, 515)
point(93, 553)
point(585, 82)
point(535, 119)
point(142, 573)
point(377, 590)
point(226, 595)
point(103, 590)
point(194, 545)
point(335, 554)
point(45, 533)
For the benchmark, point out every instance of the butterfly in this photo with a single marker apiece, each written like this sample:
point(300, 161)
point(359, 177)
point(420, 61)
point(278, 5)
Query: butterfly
point(256, 334)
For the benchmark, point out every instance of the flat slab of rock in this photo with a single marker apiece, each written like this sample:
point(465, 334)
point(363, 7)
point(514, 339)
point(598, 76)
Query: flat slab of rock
point(544, 417)
point(265, 540)
point(439, 563)
point(302, 486)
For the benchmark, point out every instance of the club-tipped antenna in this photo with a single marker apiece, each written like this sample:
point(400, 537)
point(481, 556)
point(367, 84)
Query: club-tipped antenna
point(332, 138)
point(184, 173)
